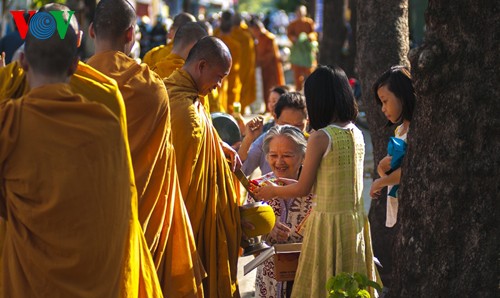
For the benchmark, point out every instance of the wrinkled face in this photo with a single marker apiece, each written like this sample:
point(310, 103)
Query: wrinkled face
point(391, 105)
point(272, 100)
point(292, 117)
point(284, 157)
point(211, 76)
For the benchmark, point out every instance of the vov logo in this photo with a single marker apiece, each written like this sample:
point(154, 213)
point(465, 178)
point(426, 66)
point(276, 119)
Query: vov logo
point(42, 24)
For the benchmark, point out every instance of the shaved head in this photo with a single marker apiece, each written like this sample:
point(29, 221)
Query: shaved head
point(52, 56)
point(188, 34)
point(59, 7)
point(112, 18)
point(212, 50)
point(226, 21)
point(181, 19)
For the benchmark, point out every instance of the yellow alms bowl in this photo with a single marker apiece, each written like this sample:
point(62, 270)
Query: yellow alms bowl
point(260, 215)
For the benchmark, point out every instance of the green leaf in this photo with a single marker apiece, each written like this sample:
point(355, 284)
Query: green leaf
point(374, 285)
point(329, 283)
point(339, 283)
point(362, 279)
point(352, 289)
point(363, 294)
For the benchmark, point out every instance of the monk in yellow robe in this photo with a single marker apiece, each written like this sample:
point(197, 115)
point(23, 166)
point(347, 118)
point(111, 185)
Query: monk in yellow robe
point(268, 58)
point(66, 191)
point(241, 34)
point(162, 212)
point(207, 184)
point(185, 38)
point(138, 273)
point(159, 53)
point(232, 93)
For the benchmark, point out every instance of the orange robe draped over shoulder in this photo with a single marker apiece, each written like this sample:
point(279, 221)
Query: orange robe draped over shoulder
point(247, 65)
point(232, 91)
point(157, 54)
point(139, 278)
point(166, 67)
point(162, 212)
point(268, 58)
point(67, 196)
point(207, 185)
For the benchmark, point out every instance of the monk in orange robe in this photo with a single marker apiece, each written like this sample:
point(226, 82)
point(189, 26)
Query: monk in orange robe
point(66, 192)
point(230, 94)
point(241, 34)
point(207, 184)
point(138, 277)
point(159, 53)
point(303, 67)
point(185, 38)
point(268, 58)
point(162, 212)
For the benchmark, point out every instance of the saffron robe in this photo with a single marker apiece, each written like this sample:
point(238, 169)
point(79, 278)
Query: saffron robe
point(166, 67)
point(247, 65)
point(207, 185)
point(66, 197)
point(157, 54)
point(269, 60)
point(228, 95)
point(162, 212)
point(139, 278)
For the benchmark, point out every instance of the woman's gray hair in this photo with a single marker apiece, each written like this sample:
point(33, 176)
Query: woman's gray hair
point(291, 132)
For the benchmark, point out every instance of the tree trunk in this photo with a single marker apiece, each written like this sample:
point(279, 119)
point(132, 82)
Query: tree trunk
point(334, 32)
point(382, 41)
point(447, 245)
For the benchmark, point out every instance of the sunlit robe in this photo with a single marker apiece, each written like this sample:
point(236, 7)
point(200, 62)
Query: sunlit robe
point(139, 278)
point(233, 93)
point(247, 65)
point(207, 185)
point(166, 67)
point(162, 212)
point(71, 229)
point(268, 59)
point(157, 54)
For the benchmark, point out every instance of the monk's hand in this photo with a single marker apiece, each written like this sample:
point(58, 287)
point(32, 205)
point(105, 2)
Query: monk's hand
point(265, 192)
point(2, 59)
point(280, 232)
point(232, 156)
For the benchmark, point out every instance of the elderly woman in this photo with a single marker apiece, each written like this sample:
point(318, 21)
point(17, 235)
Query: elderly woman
point(284, 147)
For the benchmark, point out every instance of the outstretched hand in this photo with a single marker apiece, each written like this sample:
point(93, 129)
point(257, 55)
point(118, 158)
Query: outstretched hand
point(253, 128)
point(265, 192)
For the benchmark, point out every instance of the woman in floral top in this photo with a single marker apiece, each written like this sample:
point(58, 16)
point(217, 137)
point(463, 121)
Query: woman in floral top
point(285, 148)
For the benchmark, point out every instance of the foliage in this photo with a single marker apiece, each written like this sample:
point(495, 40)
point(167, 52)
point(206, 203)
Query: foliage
point(258, 6)
point(255, 6)
point(350, 285)
point(39, 3)
point(290, 5)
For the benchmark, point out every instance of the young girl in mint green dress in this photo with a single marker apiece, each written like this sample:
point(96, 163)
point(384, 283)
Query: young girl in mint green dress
point(337, 233)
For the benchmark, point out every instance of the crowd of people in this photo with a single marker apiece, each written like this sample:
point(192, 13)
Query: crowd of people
point(115, 182)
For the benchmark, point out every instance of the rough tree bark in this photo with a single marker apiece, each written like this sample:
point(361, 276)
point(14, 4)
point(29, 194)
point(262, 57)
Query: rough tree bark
point(349, 64)
point(334, 32)
point(447, 245)
point(382, 41)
